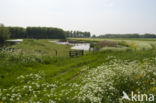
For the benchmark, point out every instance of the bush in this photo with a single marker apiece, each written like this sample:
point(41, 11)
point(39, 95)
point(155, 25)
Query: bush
point(106, 43)
point(4, 33)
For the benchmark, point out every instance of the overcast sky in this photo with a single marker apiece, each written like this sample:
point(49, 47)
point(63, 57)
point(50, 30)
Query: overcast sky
point(96, 16)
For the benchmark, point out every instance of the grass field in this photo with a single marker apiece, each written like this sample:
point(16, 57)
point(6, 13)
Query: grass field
point(35, 74)
point(42, 47)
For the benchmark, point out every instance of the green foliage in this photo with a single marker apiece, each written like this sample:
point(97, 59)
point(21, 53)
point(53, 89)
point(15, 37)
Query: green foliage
point(78, 34)
point(4, 33)
point(37, 33)
point(45, 33)
point(17, 32)
point(123, 43)
point(92, 45)
point(127, 36)
point(39, 49)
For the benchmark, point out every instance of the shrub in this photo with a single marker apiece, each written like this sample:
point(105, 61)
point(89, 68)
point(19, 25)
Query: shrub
point(4, 33)
point(106, 43)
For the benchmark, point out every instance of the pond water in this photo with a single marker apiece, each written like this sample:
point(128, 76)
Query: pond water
point(81, 46)
point(76, 46)
point(15, 41)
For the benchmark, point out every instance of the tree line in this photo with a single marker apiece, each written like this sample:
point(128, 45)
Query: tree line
point(44, 33)
point(36, 32)
point(147, 35)
point(77, 34)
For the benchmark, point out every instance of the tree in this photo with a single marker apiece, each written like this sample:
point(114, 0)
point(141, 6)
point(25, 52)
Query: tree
point(4, 33)
point(94, 36)
point(127, 36)
point(17, 32)
point(77, 34)
point(45, 33)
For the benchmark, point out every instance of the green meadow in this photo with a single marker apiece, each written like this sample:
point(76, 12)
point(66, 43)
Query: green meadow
point(40, 71)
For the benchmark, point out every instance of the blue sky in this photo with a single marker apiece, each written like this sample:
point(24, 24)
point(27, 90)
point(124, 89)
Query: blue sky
point(96, 16)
